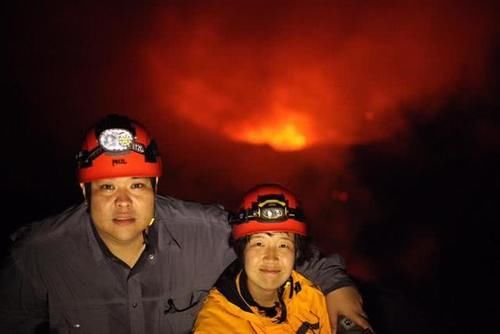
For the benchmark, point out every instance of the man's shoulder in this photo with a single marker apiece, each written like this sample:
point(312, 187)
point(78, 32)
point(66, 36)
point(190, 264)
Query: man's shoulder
point(51, 228)
point(301, 282)
point(174, 210)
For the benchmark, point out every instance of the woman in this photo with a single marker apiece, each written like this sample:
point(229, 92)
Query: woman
point(263, 294)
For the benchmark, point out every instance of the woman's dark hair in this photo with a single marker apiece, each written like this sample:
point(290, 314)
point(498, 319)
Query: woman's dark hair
point(303, 250)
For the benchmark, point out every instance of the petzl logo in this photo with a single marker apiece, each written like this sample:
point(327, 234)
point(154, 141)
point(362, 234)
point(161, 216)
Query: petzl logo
point(118, 162)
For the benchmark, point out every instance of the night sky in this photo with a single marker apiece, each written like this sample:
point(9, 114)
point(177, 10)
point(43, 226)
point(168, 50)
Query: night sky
point(382, 117)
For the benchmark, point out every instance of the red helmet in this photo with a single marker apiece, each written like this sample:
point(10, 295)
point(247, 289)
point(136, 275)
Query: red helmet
point(118, 147)
point(268, 208)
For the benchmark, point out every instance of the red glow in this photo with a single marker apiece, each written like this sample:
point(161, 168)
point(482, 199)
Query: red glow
point(282, 129)
point(302, 75)
point(284, 137)
point(341, 196)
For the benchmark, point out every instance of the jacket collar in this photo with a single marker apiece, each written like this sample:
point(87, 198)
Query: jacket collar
point(234, 287)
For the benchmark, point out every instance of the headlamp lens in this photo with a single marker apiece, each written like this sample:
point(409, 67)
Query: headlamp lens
point(116, 140)
point(273, 209)
point(272, 213)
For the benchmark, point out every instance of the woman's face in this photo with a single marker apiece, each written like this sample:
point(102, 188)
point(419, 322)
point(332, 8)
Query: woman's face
point(269, 259)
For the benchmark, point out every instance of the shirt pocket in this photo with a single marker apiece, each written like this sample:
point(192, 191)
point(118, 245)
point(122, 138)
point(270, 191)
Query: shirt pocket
point(179, 311)
point(81, 320)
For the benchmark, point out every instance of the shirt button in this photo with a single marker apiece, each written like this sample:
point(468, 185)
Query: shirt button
point(151, 257)
point(134, 305)
point(76, 325)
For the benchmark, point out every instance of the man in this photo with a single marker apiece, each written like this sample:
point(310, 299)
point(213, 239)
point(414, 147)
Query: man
point(128, 260)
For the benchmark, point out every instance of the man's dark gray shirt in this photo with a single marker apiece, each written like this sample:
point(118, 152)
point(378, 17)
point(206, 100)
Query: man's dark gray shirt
point(60, 277)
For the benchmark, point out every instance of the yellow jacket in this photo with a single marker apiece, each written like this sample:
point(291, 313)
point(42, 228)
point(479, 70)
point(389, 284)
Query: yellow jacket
point(224, 312)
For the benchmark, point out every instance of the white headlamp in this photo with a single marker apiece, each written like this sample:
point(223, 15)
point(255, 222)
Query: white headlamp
point(273, 209)
point(116, 140)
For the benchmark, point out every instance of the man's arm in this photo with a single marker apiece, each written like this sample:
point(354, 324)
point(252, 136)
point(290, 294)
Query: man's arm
point(348, 302)
point(342, 296)
point(327, 272)
point(23, 309)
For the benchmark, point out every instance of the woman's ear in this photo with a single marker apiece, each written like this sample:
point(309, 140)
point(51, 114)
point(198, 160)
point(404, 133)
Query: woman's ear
point(298, 254)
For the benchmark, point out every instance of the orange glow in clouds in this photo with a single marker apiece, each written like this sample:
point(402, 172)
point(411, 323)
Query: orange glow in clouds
point(283, 129)
point(295, 76)
point(280, 136)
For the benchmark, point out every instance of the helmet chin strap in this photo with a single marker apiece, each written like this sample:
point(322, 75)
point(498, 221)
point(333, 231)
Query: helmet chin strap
point(82, 185)
point(84, 193)
point(154, 210)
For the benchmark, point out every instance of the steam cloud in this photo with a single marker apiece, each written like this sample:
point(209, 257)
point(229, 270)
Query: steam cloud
point(293, 75)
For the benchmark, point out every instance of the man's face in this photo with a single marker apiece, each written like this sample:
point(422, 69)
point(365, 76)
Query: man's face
point(269, 259)
point(122, 208)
